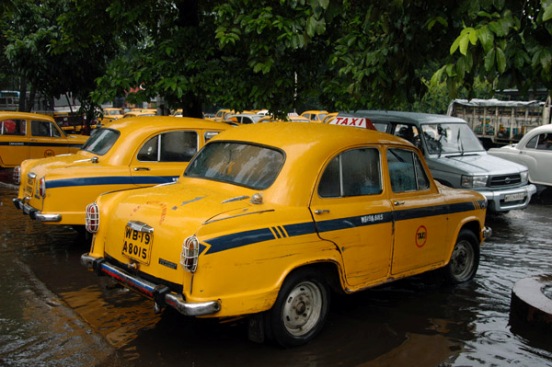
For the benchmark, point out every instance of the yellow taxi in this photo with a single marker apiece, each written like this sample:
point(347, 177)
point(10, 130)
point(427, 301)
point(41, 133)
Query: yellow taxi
point(111, 114)
point(269, 219)
point(30, 135)
point(314, 115)
point(129, 153)
point(135, 112)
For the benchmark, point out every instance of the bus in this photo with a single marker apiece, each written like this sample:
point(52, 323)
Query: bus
point(9, 100)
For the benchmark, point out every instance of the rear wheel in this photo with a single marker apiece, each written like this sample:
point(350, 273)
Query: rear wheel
point(464, 260)
point(300, 310)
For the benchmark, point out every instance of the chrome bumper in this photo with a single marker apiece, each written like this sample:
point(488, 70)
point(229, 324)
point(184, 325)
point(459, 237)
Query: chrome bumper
point(159, 293)
point(497, 203)
point(35, 213)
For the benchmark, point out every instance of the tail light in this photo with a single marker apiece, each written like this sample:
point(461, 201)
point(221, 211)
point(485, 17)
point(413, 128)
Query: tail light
point(92, 221)
point(190, 253)
point(42, 187)
point(17, 175)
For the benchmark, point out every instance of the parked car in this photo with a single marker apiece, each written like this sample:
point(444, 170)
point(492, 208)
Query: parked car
point(111, 114)
point(31, 135)
point(243, 118)
point(534, 150)
point(314, 115)
point(454, 155)
point(130, 153)
point(269, 218)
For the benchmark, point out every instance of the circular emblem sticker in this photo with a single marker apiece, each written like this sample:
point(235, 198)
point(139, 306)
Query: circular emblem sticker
point(421, 236)
point(49, 153)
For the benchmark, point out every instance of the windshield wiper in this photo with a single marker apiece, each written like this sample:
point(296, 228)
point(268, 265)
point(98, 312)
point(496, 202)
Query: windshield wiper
point(460, 141)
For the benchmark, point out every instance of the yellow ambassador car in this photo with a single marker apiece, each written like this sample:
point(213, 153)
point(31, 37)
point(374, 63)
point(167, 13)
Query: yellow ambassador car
point(30, 135)
point(269, 219)
point(130, 153)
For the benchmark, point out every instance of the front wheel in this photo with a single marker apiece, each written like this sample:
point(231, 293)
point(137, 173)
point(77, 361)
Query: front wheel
point(464, 260)
point(300, 310)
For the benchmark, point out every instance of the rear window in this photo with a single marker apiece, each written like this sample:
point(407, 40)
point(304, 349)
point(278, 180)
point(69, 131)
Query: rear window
point(248, 165)
point(101, 141)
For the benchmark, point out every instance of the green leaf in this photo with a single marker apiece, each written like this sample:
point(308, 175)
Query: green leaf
point(486, 38)
point(500, 60)
point(464, 41)
point(547, 11)
point(489, 59)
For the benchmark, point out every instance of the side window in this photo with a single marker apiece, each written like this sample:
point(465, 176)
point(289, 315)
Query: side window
point(406, 171)
point(150, 151)
point(39, 128)
point(532, 144)
point(178, 146)
point(12, 127)
point(352, 173)
point(408, 132)
point(545, 142)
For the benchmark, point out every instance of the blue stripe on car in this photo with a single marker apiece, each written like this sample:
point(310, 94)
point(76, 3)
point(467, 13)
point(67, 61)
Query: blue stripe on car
point(245, 238)
point(109, 180)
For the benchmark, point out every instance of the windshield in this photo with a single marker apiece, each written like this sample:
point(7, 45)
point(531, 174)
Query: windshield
point(241, 164)
point(450, 139)
point(101, 141)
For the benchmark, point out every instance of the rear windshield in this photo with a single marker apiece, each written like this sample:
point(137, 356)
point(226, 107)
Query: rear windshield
point(101, 141)
point(243, 164)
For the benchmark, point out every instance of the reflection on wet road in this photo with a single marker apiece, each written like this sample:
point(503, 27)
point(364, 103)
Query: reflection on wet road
point(55, 313)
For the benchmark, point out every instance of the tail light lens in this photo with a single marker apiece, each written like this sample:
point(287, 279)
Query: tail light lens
point(42, 187)
point(17, 175)
point(92, 218)
point(190, 253)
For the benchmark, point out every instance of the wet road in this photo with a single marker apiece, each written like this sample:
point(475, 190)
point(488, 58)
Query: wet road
point(55, 313)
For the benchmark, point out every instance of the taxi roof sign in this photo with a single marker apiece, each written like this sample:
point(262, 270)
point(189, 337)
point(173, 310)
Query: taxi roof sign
point(361, 122)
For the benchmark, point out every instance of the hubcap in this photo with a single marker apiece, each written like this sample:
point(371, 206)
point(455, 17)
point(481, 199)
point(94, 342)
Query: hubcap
point(462, 260)
point(302, 309)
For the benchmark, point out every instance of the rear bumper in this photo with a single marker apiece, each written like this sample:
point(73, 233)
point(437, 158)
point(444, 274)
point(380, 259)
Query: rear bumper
point(159, 293)
point(35, 213)
point(498, 200)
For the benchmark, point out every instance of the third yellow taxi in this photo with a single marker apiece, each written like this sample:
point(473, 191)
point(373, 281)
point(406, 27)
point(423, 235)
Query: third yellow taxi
point(269, 219)
point(31, 135)
point(130, 153)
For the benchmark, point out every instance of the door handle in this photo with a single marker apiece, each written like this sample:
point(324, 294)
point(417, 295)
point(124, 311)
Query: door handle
point(141, 169)
point(397, 203)
point(321, 211)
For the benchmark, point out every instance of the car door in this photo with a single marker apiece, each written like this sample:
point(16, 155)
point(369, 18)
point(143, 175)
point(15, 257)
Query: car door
point(419, 214)
point(162, 158)
point(351, 209)
point(46, 139)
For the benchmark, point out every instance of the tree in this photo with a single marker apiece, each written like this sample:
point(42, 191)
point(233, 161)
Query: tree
point(60, 47)
point(505, 42)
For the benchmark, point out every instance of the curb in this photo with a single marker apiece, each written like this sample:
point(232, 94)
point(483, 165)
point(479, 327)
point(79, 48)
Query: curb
point(531, 304)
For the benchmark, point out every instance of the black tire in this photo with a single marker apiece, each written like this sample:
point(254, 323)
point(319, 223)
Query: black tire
point(300, 311)
point(464, 260)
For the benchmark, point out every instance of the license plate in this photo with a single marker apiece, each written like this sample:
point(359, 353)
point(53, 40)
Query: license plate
point(514, 197)
point(29, 186)
point(137, 245)
point(28, 190)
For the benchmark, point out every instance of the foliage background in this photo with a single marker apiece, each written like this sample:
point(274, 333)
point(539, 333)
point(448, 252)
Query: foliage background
point(284, 55)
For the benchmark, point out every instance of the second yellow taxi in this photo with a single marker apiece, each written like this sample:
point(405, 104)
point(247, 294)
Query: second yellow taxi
point(130, 153)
